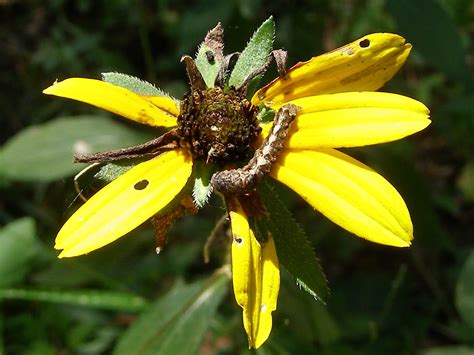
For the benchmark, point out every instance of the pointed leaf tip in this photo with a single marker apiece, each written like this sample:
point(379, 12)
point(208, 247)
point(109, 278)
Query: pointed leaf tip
point(255, 55)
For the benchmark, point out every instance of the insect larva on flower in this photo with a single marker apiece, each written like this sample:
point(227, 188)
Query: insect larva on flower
point(242, 180)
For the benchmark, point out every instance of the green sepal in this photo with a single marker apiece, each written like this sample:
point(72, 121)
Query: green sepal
point(255, 55)
point(202, 188)
point(294, 251)
point(266, 115)
point(111, 171)
point(208, 65)
point(132, 83)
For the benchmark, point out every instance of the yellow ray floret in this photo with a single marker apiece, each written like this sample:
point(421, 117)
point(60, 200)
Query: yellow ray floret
point(124, 204)
point(152, 111)
point(363, 65)
point(256, 277)
point(354, 119)
point(349, 193)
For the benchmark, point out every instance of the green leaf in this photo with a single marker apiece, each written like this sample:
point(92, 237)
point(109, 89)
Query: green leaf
point(45, 152)
point(208, 68)
point(111, 171)
point(433, 34)
point(17, 246)
point(133, 83)
point(176, 323)
point(454, 119)
point(448, 350)
point(294, 251)
point(266, 115)
point(466, 181)
point(202, 184)
point(256, 53)
point(465, 291)
point(96, 299)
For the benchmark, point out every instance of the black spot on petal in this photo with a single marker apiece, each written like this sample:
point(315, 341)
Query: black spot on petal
point(364, 43)
point(141, 185)
point(238, 240)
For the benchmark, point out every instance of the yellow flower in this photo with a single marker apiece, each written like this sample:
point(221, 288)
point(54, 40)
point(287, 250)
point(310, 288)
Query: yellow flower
point(337, 107)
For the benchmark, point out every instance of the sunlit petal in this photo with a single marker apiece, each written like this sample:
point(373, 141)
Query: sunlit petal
point(118, 100)
point(349, 193)
point(124, 204)
point(363, 65)
point(164, 103)
point(256, 277)
point(354, 119)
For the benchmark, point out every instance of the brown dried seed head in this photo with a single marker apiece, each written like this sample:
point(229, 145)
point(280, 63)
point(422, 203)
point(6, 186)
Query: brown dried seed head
point(217, 126)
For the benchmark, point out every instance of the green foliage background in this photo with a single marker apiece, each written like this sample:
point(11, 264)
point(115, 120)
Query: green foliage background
point(115, 300)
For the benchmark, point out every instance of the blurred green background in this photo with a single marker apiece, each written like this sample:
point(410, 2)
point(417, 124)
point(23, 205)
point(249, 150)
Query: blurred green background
point(124, 299)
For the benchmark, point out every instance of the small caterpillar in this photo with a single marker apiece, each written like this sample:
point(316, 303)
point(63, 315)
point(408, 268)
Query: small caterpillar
point(242, 180)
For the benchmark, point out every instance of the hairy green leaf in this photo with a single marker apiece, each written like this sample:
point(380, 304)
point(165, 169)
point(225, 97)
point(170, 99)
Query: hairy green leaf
point(111, 171)
point(207, 64)
point(294, 251)
point(202, 184)
point(133, 83)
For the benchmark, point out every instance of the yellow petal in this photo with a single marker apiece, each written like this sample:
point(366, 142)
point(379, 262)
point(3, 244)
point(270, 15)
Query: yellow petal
point(164, 103)
point(124, 204)
point(147, 110)
point(354, 119)
point(256, 278)
point(363, 65)
point(349, 193)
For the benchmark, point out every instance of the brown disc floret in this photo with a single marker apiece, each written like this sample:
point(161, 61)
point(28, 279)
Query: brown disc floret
point(217, 125)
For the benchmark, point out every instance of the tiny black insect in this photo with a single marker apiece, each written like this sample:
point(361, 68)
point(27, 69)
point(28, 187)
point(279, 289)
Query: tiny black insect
point(210, 57)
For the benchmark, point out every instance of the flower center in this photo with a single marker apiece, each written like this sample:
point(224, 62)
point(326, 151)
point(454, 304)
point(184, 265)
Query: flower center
point(218, 126)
